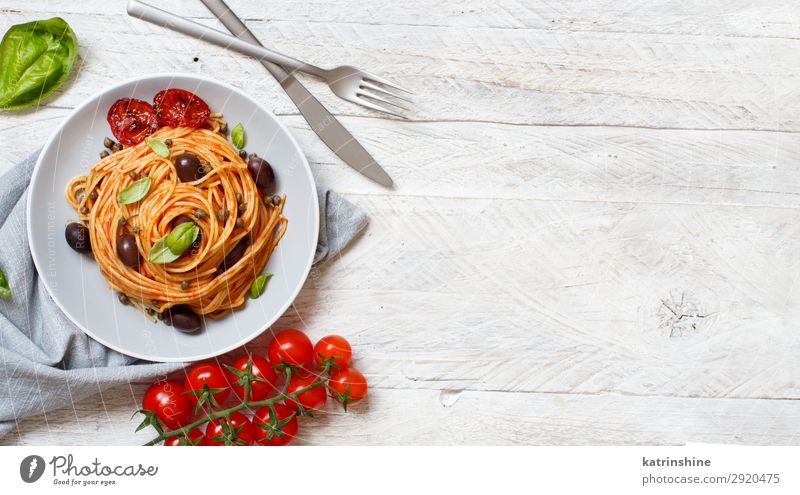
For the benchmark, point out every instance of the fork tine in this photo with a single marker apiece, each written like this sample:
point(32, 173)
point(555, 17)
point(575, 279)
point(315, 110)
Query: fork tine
point(371, 96)
point(372, 77)
point(361, 101)
point(380, 90)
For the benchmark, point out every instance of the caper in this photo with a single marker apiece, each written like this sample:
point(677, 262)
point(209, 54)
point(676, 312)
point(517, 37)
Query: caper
point(238, 197)
point(168, 142)
point(242, 208)
point(276, 200)
point(223, 214)
point(133, 175)
point(123, 299)
point(223, 128)
point(121, 222)
point(116, 147)
point(185, 285)
point(239, 223)
point(150, 311)
point(108, 142)
point(200, 213)
point(93, 195)
point(104, 154)
point(243, 154)
point(79, 194)
point(84, 210)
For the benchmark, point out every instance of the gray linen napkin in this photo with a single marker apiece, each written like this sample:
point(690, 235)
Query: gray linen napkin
point(46, 361)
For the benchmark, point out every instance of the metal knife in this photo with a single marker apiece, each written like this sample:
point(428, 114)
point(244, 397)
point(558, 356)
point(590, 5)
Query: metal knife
point(322, 122)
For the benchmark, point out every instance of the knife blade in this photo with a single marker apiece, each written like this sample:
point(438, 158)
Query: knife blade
point(322, 122)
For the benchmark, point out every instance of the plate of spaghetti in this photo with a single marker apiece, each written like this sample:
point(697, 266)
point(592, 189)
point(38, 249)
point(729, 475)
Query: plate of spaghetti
point(189, 233)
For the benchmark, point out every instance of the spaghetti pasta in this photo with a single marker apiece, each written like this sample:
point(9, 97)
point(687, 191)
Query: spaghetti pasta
point(224, 203)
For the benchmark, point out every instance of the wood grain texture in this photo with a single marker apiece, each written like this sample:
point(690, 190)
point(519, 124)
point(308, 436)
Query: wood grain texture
point(593, 238)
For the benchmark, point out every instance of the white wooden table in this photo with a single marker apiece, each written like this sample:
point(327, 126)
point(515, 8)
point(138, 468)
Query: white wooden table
point(595, 234)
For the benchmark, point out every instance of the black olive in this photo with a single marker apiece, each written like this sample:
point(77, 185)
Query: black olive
point(182, 318)
point(261, 171)
point(188, 167)
point(127, 250)
point(77, 235)
point(234, 255)
point(183, 219)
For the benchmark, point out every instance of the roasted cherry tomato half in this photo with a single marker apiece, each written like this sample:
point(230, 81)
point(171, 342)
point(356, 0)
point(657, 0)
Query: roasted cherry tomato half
point(210, 373)
point(349, 386)
point(131, 120)
point(180, 108)
point(196, 437)
point(167, 400)
point(259, 390)
point(291, 347)
point(239, 431)
point(282, 432)
point(313, 398)
point(333, 350)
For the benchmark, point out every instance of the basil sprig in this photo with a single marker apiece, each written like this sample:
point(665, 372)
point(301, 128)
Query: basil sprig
point(5, 290)
point(35, 59)
point(134, 192)
point(259, 284)
point(237, 136)
point(172, 246)
point(158, 146)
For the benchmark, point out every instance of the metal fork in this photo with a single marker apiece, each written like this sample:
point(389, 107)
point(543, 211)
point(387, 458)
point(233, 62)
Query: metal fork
point(346, 82)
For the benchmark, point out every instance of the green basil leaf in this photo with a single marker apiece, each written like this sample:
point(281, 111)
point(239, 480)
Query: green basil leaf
point(237, 136)
point(161, 253)
point(182, 236)
point(158, 146)
point(36, 58)
point(259, 284)
point(134, 192)
point(5, 290)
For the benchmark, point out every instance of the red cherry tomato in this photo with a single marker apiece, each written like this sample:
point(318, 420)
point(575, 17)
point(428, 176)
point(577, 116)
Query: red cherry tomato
point(179, 108)
point(291, 347)
point(131, 120)
point(167, 401)
point(210, 373)
point(242, 436)
point(313, 398)
point(333, 349)
point(287, 423)
point(194, 434)
point(261, 368)
point(349, 386)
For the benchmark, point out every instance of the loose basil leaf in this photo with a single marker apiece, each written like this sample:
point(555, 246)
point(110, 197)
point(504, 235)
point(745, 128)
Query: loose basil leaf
point(158, 146)
point(161, 253)
point(36, 58)
point(237, 136)
point(182, 236)
point(134, 192)
point(5, 290)
point(259, 284)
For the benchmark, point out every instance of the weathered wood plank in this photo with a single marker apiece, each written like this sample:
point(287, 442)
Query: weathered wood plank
point(429, 417)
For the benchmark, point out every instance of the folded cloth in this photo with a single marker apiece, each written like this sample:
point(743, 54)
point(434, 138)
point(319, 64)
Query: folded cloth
point(47, 362)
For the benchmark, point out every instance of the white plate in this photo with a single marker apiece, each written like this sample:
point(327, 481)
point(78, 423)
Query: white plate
point(74, 281)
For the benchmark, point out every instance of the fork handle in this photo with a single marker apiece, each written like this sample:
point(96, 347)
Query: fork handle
point(154, 15)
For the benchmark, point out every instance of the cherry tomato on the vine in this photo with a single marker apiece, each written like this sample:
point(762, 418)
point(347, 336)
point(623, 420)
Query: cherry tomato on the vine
point(333, 349)
point(211, 374)
point(268, 434)
point(349, 386)
point(167, 401)
point(291, 347)
point(238, 431)
point(313, 398)
point(259, 390)
point(194, 434)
